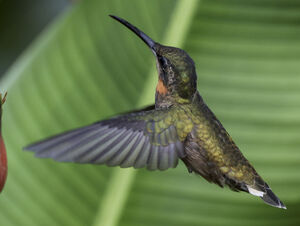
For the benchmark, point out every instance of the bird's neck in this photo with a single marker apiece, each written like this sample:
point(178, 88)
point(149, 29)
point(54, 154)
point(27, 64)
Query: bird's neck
point(167, 99)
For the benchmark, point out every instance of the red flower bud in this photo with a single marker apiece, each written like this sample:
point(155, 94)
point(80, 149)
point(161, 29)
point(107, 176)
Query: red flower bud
point(3, 159)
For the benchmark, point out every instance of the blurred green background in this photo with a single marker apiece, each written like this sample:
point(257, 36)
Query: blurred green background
point(78, 66)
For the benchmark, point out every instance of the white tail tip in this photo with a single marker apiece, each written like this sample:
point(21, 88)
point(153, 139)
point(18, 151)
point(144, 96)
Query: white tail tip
point(255, 192)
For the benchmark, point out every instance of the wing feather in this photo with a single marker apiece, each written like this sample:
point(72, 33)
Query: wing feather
point(153, 158)
point(130, 158)
point(163, 158)
point(142, 158)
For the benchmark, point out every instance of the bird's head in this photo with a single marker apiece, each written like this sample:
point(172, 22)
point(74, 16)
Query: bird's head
point(176, 69)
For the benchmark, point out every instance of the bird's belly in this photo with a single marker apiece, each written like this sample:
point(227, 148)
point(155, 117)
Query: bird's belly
point(209, 141)
point(220, 151)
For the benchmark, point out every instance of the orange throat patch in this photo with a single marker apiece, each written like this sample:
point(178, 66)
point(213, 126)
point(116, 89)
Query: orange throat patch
point(160, 88)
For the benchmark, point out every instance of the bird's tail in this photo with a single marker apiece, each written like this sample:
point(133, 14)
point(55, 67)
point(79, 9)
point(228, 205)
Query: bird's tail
point(270, 198)
point(263, 190)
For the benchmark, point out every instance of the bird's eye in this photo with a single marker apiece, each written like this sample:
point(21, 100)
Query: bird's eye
point(163, 61)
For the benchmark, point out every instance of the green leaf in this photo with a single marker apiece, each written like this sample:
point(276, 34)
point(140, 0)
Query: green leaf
point(86, 67)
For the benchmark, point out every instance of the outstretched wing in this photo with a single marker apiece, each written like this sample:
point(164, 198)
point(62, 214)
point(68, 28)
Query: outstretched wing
point(139, 139)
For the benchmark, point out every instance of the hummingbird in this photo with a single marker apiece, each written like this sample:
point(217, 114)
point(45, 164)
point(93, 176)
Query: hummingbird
point(179, 126)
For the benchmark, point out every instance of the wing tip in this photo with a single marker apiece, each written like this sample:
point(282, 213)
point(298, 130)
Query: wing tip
point(32, 148)
point(27, 148)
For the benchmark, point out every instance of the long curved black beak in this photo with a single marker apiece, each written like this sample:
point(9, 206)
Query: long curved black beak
point(149, 42)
